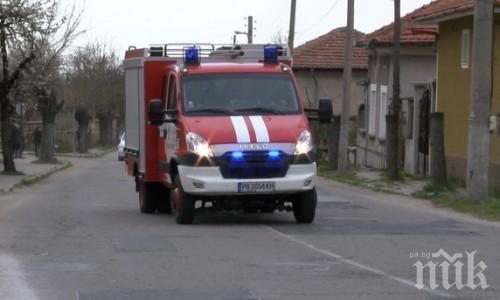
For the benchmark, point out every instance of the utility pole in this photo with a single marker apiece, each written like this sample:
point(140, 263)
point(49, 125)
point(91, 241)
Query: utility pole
point(250, 30)
point(392, 120)
point(346, 95)
point(291, 29)
point(480, 106)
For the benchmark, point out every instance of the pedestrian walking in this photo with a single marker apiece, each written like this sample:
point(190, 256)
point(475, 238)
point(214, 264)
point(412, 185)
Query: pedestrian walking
point(37, 140)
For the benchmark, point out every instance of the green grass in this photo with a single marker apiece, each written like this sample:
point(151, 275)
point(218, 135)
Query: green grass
point(451, 197)
point(347, 177)
point(16, 173)
point(496, 193)
point(489, 208)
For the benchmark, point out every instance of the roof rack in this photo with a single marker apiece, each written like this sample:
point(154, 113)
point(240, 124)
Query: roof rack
point(218, 52)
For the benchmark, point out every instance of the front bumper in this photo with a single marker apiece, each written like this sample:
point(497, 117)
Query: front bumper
point(209, 180)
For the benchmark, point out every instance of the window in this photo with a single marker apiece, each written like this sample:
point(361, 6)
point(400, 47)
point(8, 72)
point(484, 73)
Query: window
point(164, 91)
point(372, 118)
point(465, 49)
point(383, 112)
point(172, 93)
point(237, 94)
point(361, 118)
point(408, 111)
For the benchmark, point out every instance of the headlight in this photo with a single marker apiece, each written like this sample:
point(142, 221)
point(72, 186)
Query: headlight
point(197, 145)
point(304, 143)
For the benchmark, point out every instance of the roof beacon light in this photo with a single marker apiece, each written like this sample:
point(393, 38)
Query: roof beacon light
point(271, 54)
point(191, 56)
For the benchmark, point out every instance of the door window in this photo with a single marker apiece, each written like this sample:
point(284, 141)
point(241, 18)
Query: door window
point(172, 93)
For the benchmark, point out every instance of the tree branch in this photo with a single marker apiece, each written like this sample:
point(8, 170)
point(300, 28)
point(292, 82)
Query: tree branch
point(17, 73)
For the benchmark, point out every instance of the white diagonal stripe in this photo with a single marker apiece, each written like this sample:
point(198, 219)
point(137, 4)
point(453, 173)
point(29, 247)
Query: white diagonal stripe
point(355, 263)
point(241, 129)
point(260, 129)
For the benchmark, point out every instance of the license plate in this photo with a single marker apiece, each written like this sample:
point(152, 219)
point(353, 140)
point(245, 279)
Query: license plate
point(255, 187)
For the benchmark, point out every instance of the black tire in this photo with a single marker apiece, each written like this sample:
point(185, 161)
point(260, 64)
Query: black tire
point(183, 206)
point(304, 206)
point(163, 199)
point(267, 210)
point(147, 202)
point(250, 210)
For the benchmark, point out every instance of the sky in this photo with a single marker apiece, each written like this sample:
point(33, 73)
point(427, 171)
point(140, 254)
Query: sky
point(122, 23)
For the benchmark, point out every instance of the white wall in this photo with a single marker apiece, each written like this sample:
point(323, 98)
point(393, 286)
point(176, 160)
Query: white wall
point(317, 84)
point(418, 67)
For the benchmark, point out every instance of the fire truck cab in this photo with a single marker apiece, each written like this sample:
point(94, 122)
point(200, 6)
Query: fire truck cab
point(218, 128)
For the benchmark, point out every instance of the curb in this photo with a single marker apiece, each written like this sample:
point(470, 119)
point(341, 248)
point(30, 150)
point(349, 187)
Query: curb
point(86, 155)
point(32, 179)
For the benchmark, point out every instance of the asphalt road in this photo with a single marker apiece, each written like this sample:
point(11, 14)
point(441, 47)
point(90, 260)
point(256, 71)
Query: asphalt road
point(80, 235)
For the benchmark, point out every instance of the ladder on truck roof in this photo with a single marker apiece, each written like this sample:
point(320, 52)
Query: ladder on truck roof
point(216, 52)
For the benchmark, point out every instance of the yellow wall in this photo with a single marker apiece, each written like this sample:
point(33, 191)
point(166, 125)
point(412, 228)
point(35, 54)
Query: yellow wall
point(454, 88)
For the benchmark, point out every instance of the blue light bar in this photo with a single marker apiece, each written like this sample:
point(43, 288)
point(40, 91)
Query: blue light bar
point(271, 54)
point(273, 154)
point(237, 155)
point(191, 56)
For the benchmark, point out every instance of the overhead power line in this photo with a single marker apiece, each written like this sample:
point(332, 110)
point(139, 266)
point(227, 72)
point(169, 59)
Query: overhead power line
point(321, 19)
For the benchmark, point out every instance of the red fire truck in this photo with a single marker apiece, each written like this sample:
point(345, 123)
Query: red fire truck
point(218, 128)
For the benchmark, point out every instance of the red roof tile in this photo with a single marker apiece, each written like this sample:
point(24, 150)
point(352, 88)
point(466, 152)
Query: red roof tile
point(411, 33)
point(327, 52)
point(439, 7)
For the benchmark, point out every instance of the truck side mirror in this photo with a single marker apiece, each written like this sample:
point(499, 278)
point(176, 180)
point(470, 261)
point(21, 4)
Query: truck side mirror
point(325, 110)
point(156, 113)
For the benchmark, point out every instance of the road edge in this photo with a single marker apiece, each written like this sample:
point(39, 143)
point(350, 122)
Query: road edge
point(32, 179)
point(404, 201)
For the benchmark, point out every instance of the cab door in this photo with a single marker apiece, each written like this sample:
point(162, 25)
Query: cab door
point(171, 140)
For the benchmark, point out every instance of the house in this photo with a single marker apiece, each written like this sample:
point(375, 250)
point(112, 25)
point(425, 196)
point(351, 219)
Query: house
point(318, 66)
point(454, 48)
point(417, 82)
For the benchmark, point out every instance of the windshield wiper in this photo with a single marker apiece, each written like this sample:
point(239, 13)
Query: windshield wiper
point(261, 110)
point(211, 111)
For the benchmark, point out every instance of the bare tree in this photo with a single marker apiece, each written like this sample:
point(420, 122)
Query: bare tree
point(41, 85)
point(279, 38)
point(25, 28)
point(97, 83)
point(111, 87)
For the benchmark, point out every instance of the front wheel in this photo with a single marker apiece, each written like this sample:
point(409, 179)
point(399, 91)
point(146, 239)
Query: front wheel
point(183, 205)
point(304, 206)
point(163, 200)
point(146, 197)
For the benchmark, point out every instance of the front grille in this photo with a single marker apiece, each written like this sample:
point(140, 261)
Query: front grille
point(254, 165)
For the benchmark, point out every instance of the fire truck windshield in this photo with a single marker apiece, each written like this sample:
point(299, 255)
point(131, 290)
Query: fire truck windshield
point(239, 94)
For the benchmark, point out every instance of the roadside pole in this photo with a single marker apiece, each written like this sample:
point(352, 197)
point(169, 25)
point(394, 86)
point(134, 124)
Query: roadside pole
point(250, 30)
point(346, 95)
point(438, 159)
point(333, 147)
point(480, 106)
point(291, 29)
point(392, 120)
